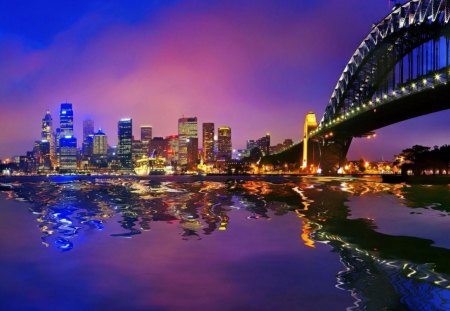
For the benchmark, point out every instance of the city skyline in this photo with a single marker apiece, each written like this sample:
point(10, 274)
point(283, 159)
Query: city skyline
point(154, 62)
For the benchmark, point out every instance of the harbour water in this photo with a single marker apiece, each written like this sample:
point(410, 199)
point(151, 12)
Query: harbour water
point(223, 243)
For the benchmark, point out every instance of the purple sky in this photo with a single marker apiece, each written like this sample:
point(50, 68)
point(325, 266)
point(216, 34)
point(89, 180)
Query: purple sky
point(257, 66)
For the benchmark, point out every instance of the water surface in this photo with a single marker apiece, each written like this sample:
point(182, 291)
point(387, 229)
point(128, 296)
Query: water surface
point(218, 243)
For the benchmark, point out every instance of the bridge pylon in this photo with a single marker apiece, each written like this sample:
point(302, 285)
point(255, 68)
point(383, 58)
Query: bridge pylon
point(310, 125)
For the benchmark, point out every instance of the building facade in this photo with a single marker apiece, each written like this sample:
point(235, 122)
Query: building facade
point(124, 147)
point(224, 149)
point(67, 141)
point(187, 142)
point(208, 142)
point(146, 137)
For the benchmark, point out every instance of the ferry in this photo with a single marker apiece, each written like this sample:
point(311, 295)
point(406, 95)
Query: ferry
point(152, 166)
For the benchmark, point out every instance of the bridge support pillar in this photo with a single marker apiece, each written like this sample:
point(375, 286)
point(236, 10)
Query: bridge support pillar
point(333, 154)
point(310, 124)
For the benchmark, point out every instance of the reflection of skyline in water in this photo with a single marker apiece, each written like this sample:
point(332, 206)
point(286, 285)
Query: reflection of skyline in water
point(406, 266)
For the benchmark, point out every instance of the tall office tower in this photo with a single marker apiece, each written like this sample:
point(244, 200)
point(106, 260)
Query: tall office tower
point(48, 135)
point(88, 128)
point(224, 143)
point(100, 144)
point(146, 137)
point(124, 153)
point(68, 153)
point(208, 142)
point(67, 141)
point(264, 144)
point(187, 141)
point(66, 119)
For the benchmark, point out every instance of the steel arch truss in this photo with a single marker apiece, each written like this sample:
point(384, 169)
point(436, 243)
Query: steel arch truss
point(404, 29)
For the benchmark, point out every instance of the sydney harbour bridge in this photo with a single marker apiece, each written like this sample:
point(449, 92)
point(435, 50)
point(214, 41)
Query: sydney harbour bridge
point(401, 70)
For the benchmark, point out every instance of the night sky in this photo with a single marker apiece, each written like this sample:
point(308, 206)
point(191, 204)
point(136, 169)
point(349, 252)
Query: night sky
point(258, 66)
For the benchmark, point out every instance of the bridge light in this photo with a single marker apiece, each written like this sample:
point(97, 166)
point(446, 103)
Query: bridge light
point(424, 81)
point(364, 105)
point(403, 89)
point(378, 99)
point(437, 77)
point(370, 103)
point(385, 96)
point(414, 85)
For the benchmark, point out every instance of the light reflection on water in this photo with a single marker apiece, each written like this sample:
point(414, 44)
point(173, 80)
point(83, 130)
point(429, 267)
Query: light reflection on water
point(379, 270)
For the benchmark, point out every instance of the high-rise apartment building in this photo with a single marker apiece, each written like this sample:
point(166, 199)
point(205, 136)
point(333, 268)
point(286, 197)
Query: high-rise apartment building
point(187, 141)
point(208, 142)
point(125, 134)
point(224, 149)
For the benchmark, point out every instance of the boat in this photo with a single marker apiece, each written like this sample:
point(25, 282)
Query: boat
point(151, 166)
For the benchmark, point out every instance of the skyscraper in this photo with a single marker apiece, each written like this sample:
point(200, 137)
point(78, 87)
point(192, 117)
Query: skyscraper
point(208, 142)
point(100, 143)
point(146, 137)
point(68, 153)
point(67, 141)
point(187, 141)
point(224, 143)
point(88, 128)
point(125, 133)
point(66, 119)
point(48, 135)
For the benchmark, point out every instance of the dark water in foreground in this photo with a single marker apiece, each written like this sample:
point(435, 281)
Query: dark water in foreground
point(217, 243)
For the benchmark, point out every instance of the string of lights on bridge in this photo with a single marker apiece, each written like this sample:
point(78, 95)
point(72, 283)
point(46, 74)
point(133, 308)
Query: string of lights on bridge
point(429, 82)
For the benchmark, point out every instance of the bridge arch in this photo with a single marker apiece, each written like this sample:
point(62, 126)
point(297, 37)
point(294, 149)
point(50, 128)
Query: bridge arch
point(399, 71)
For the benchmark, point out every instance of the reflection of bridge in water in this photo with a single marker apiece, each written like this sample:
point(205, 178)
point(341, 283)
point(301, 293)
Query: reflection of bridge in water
point(400, 71)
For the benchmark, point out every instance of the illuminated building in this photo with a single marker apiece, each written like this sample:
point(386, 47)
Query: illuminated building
point(264, 144)
point(100, 144)
point(137, 150)
point(187, 141)
point(67, 142)
point(48, 135)
point(44, 155)
point(208, 142)
point(171, 153)
point(88, 128)
point(158, 145)
point(66, 119)
point(88, 146)
point(224, 149)
point(68, 153)
point(125, 134)
point(146, 137)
